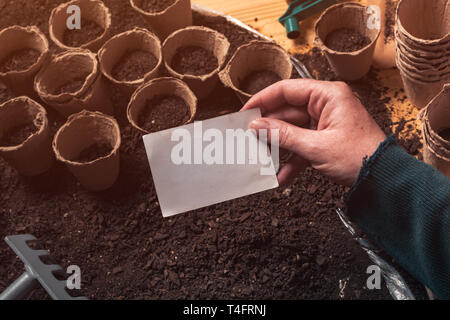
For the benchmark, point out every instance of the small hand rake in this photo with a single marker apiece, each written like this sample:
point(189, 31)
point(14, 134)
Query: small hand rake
point(36, 272)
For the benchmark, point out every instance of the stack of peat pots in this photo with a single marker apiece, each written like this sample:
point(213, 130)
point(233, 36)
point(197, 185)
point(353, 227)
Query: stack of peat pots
point(422, 35)
point(436, 131)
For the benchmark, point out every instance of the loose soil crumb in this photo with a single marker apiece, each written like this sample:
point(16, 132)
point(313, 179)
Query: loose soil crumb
point(72, 86)
point(346, 40)
point(89, 31)
point(96, 151)
point(258, 81)
point(445, 134)
point(164, 112)
point(19, 60)
point(155, 5)
point(194, 60)
point(134, 66)
point(17, 135)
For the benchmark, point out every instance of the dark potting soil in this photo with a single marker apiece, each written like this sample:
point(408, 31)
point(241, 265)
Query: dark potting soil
point(391, 6)
point(164, 112)
point(286, 243)
point(71, 87)
point(194, 60)
point(346, 40)
point(89, 31)
point(95, 151)
point(154, 5)
point(259, 80)
point(134, 66)
point(17, 135)
point(19, 60)
point(445, 134)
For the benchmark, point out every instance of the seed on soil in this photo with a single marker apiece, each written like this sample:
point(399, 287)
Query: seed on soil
point(259, 80)
point(71, 86)
point(19, 60)
point(95, 151)
point(134, 65)
point(346, 40)
point(194, 60)
point(445, 134)
point(77, 37)
point(17, 135)
point(154, 5)
point(164, 112)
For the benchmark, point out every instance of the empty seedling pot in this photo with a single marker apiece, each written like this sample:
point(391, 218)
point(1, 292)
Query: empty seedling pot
point(196, 55)
point(161, 104)
point(255, 66)
point(25, 139)
point(130, 57)
point(434, 154)
point(353, 19)
point(424, 24)
point(164, 16)
point(71, 81)
point(88, 143)
point(95, 25)
point(23, 52)
point(436, 117)
point(419, 92)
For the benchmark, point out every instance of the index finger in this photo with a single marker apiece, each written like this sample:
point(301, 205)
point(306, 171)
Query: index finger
point(295, 92)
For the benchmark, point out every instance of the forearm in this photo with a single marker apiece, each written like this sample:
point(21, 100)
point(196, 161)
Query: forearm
point(404, 206)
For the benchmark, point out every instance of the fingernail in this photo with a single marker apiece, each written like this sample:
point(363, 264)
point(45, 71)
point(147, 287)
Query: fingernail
point(259, 124)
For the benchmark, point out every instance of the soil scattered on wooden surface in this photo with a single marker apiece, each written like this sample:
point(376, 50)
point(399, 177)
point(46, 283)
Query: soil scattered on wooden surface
point(259, 80)
point(445, 134)
point(17, 135)
point(154, 5)
point(72, 86)
point(346, 40)
point(194, 60)
point(286, 243)
point(134, 65)
point(19, 60)
point(391, 7)
point(164, 112)
point(89, 31)
point(94, 152)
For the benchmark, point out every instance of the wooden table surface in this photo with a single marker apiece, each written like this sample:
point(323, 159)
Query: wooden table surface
point(263, 16)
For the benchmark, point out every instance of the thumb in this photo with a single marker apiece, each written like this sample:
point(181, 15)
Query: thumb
point(301, 141)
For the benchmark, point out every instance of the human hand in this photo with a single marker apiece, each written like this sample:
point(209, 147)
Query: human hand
point(345, 133)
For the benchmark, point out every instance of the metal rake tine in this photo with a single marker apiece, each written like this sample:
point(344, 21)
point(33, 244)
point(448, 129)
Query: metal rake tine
point(301, 68)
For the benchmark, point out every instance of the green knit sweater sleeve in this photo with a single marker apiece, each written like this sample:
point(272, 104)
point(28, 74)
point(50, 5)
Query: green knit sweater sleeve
point(403, 205)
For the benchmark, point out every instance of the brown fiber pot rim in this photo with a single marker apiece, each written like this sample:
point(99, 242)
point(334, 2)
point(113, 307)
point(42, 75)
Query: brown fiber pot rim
point(40, 119)
point(168, 81)
point(30, 30)
point(63, 7)
point(79, 116)
point(144, 32)
point(89, 80)
point(321, 42)
point(194, 29)
point(158, 13)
